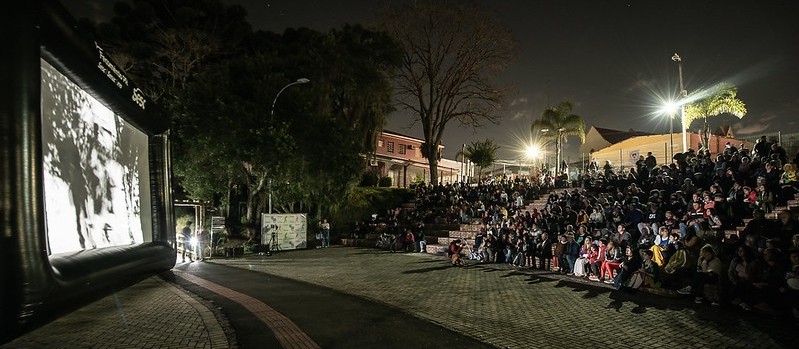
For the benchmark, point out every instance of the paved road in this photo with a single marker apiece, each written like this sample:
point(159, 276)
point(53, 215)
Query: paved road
point(508, 308)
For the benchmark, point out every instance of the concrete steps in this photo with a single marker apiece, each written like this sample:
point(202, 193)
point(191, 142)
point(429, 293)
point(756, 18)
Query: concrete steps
point(370, 240)
point(437, 249)
point(448, 239)
point(469, 232)
point(463, 234)
point(439, 236)
point(792, 206)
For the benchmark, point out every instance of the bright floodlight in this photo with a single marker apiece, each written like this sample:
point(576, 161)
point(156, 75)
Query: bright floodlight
point(670, 108)
point(532, 151)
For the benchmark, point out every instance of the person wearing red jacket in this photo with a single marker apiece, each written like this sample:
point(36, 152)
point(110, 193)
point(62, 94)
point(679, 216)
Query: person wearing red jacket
point(455, 248)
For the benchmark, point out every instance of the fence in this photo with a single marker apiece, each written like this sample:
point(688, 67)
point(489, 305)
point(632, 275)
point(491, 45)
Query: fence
point(789, 141)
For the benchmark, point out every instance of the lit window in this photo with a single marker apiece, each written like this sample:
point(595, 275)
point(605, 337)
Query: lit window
point(390, 147)
point(380, 143)
point(402, 148)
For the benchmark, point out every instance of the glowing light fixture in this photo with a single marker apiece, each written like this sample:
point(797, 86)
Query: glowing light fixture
point(532, 151)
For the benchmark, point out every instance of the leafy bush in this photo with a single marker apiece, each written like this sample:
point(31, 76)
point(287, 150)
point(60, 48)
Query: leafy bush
point(363, 202)
point(182, 221)
point(369, 179)
point(385, 182)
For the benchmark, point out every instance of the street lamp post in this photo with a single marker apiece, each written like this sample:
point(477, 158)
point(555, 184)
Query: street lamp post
point(671, 136)
point(272, 118)
point(545, 130)
point(299, 81)
point(683, 95)
point(531, 153)
point(670, 108)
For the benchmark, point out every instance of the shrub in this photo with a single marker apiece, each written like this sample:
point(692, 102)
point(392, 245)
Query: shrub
point(363, 202)
point(385, 182)
point(369, 179)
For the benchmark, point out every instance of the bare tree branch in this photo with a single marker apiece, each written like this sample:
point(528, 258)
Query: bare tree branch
point(451, 55)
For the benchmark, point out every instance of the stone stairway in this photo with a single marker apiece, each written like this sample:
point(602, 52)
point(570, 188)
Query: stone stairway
point(432, 233)
point(439, 236)
point(468, 232)
point(465, 232)
point(792, 206)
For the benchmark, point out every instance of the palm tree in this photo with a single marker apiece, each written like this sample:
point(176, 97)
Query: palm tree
point(722, 99)
point(482, 154)
point(557, 124)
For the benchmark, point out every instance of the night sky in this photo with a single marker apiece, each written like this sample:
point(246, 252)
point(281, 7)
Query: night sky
point(612, 59)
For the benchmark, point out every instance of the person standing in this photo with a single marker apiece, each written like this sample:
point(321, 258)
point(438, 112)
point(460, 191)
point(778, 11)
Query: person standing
point(544, 249)
point(571, 251)
point(650, 162)
point(762, 147)
point(324, 227)
point(202, 237)
point(420, 238)
point(185, 234)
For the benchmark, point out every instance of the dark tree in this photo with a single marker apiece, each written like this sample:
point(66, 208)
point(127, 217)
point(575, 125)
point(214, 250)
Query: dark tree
point(451, 53)
point(482, 154)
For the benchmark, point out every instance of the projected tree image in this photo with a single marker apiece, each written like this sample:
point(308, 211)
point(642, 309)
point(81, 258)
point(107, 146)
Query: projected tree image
point(96, 175)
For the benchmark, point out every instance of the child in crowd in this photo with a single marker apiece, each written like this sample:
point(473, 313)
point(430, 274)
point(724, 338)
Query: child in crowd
point(596, 264)
point(559, 246)
point(582, 262)
point(613, 258)
point(644, 273)
point(455, 248)
point(706, 280)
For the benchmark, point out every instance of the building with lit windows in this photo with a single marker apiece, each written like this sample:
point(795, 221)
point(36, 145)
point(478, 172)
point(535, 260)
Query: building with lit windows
point(399, 157)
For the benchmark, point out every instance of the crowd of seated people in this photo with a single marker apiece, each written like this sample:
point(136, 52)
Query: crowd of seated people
point(488, 203)
point(662, 227)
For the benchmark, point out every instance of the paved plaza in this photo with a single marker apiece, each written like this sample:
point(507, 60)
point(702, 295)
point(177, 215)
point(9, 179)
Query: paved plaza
point(345, 297)
point(150, 314)
point(517, 309)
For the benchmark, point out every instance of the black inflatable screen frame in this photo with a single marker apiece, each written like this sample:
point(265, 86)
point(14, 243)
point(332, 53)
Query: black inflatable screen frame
point(32, 282)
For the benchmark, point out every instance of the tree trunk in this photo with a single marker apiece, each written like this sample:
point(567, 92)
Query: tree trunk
point(557, 156)
point(706, 136)
point(252, 195)
point(252, 206)
point(433, 162)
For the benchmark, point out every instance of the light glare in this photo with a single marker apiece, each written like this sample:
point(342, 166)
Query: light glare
point(532, 151)
point(670, 108)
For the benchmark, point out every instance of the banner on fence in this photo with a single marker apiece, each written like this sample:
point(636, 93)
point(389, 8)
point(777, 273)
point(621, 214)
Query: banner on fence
point(634, 154)
point(284, 231)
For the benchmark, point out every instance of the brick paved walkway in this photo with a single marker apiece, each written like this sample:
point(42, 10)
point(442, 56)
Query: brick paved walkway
point(514, 309)
point(288, 334)
point(150, 314)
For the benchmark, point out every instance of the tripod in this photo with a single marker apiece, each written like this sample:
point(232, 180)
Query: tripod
point(273, 245)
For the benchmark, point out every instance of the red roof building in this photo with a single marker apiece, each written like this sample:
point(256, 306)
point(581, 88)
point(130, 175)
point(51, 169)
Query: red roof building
point(400, 157)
